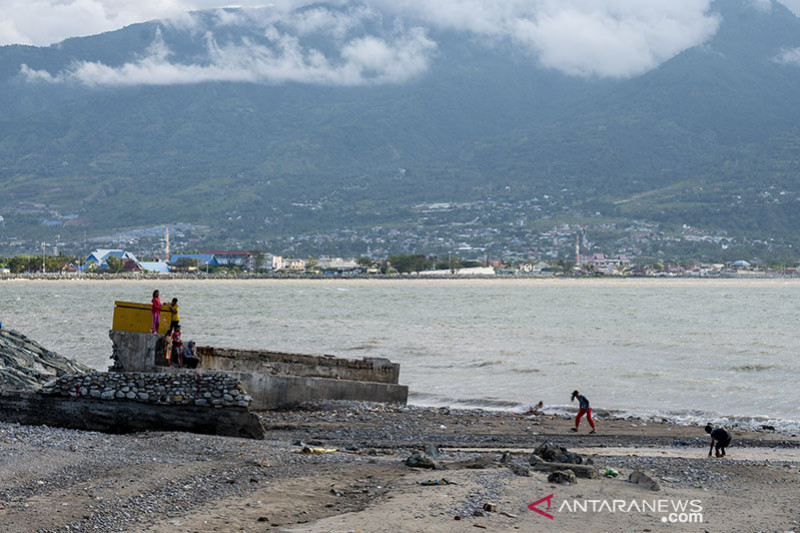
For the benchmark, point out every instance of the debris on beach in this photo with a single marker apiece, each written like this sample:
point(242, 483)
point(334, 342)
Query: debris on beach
point(436, 482)
point(27, 365)
point(548, 457)
point(313, 450)
point(551, 453)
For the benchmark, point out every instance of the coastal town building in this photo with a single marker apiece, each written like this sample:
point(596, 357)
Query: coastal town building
point(204, 259)
point(281, 264)
point(240, 258)
point(157, 267)
point(98, 259)
point(338, 266)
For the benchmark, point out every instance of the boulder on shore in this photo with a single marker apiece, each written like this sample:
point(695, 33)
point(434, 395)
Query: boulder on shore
point(645, 480)
point(421, 460)
point(27, 365)
point(551, 453)
point(563, 477)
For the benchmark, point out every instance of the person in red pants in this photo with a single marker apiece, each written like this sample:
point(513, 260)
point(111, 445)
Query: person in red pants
point(585, 409)
point(155, 310)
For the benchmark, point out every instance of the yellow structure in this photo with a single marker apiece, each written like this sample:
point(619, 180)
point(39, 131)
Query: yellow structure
point(134, 316)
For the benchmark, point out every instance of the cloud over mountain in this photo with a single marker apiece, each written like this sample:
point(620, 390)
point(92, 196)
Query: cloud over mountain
point(360, 61)
point(376, 41)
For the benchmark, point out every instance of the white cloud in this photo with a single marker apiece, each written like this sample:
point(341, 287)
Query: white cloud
point(595, 38)
point(762, 5)
point(614, 38)
point(794, 5)
point(42, 22)
point(790, 56)
point(362, 61)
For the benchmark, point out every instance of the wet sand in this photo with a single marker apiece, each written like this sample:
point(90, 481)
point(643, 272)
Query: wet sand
point(63, 480)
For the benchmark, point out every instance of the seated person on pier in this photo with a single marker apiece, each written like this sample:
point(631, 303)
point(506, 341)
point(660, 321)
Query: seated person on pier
point(190, 357)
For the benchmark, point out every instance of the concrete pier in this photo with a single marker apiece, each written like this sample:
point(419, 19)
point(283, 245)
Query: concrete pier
point(273, 380)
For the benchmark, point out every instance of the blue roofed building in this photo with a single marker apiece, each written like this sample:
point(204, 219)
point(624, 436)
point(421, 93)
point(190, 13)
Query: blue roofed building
point(158, 267)
point(203, 259)
point(98, 258)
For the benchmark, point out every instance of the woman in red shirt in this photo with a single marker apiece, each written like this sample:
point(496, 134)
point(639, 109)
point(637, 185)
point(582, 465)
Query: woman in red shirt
point(155, 310)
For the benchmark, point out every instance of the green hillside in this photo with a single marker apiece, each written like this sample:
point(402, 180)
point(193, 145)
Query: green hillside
point(709, 139)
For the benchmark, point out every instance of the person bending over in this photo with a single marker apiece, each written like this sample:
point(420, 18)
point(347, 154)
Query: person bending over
point(585, 409)
point(719, 436)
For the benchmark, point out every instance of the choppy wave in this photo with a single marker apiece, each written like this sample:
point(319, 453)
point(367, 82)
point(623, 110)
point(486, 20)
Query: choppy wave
point(755, 368)
point(434, 400)
point(682, 418)
point(482, 364)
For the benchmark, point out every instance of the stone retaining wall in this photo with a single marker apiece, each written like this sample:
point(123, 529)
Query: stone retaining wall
point(88, 414)
point(207, 389)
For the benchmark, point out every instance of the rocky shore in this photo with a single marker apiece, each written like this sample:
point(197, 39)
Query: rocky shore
point(27, 365)
point(57, 480)
point(343, 467)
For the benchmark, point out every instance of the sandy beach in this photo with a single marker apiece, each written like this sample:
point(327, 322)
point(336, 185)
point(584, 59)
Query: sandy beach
point(63, 480)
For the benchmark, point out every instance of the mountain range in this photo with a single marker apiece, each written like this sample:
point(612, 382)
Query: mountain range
point(308, 131)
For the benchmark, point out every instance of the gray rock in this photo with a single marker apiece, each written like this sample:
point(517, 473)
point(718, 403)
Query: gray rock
point(644, 480)
point(421, 460)
point(557, 454)
point(431, 450)
point(563, 477)
point(535, 459)
point(584, 471)
point(520, 470)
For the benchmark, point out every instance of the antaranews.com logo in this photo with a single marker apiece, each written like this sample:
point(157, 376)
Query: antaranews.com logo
point(671, 511)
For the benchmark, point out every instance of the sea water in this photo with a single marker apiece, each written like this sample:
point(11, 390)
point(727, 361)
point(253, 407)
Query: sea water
point(687, 350)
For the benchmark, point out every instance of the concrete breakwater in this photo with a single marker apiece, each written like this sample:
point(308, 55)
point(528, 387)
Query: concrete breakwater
point(213, 389)
point(274, 380)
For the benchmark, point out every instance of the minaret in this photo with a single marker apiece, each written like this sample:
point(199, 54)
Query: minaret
point(578, 249)
point(166, 243)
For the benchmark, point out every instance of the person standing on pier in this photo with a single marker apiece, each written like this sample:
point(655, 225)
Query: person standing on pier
point(155, 310)
point(173, 307)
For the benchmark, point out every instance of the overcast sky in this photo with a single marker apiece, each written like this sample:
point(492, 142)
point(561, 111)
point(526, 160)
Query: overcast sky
point(602, 38)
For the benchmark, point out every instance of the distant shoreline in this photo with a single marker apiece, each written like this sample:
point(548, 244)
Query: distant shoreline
point(373, 277)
